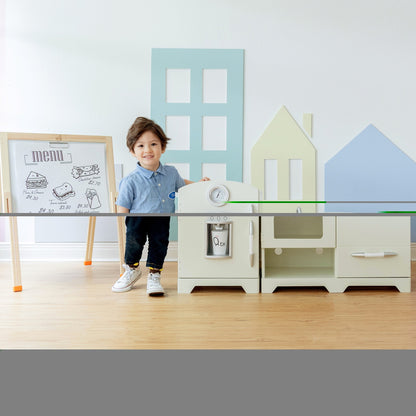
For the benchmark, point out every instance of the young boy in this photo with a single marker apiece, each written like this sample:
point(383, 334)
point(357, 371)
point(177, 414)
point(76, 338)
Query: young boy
point(150, 188)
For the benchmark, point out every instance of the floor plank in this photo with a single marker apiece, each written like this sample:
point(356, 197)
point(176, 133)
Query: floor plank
point(71, 306)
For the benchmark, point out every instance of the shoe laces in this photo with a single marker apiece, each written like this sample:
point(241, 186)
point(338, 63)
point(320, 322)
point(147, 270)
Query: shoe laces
point(154, 280)
point(154, 276)
point(128, 273)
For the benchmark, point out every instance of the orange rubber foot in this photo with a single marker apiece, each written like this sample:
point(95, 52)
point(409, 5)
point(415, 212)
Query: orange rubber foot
point(87, 263)
point(17, 288)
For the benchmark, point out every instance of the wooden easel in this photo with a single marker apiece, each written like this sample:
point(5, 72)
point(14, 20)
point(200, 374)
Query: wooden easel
point(90, 240)
point(14, 247)
point(5, 188)
point(7, 208)
point(14, 242)
point(120, 223)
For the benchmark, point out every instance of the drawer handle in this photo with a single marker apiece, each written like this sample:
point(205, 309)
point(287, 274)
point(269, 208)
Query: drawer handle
point(382, 254)
point(250, 243)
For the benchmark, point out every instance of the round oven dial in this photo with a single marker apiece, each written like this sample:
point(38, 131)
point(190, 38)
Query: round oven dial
point(218, 195)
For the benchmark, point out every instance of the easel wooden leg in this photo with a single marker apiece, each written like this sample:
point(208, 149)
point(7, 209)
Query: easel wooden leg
point(90, 241)
point(14, 244)
point(121, 240)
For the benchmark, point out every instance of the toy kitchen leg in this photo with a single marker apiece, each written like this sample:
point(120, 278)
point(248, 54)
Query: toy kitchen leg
point(188, 285)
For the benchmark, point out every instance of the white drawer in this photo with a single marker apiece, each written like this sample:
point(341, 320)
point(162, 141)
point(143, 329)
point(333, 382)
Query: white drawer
point(373, 231)
point(365, 261)
point(293, 231)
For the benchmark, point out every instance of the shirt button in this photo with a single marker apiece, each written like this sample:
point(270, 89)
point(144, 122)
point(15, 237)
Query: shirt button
point(163, 200)
point(159, 184)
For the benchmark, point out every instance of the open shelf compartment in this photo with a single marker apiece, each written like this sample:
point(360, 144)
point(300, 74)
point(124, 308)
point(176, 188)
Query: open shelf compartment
point(298, 262)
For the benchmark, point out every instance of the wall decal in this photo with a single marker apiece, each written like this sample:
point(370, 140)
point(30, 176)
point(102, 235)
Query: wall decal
point(205, 73)
point(371, 168)
point(284, 140)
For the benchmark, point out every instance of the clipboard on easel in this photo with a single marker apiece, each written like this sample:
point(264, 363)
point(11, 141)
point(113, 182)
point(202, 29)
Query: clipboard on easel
point(57, 174)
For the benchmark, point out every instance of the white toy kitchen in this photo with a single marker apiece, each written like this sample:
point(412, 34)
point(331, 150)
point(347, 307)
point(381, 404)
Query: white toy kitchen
point(220, 245)
point(335, 251)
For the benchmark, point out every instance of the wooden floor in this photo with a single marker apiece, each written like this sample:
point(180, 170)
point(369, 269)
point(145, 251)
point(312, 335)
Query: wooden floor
point(71, 306)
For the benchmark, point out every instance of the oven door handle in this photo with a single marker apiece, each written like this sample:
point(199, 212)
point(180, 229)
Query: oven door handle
point(381, 254)
point(250, 243)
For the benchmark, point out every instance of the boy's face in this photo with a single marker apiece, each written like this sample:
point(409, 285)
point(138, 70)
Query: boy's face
point(148, 150)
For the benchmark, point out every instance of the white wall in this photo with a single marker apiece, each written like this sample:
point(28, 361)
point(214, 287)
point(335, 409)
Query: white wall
point(83, 66)
point(3, 98)
point(2, 57)
point(2, 89)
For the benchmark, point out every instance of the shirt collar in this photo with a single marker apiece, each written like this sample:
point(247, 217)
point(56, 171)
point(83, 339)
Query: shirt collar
point(149, 173)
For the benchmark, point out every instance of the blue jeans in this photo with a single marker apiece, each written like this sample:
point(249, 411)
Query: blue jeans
point(140, 228)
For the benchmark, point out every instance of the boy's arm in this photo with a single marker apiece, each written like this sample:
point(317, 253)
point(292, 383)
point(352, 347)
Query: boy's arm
point(122, 210)
point(188, 182)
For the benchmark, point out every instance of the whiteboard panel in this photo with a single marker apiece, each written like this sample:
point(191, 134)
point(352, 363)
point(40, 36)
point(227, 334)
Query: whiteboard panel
point(58, 177)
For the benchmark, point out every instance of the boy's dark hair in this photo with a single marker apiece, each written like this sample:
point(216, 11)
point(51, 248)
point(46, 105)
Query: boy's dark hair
point(140, 126)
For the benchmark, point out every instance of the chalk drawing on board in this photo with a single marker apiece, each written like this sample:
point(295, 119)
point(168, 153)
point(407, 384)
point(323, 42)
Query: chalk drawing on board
point(63, 192)
point(36, 181)
point(93, 198)
point(41, 155)
point(82, 171)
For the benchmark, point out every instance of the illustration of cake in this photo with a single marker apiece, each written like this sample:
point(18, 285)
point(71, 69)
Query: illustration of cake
point(63, 192)
point(92, 197)
point(36, 181)
point(81, 171)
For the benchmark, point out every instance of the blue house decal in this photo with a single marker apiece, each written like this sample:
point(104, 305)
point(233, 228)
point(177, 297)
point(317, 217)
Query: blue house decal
point(371, 168)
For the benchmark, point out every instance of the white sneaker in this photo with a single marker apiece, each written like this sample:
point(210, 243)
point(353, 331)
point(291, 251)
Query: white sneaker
point(127, 280)
point(153, 284)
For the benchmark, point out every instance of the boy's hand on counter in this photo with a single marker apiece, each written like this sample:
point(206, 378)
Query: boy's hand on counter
point(188, 182)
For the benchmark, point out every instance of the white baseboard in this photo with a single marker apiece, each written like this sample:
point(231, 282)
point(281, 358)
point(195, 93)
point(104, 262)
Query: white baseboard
point(74, 252)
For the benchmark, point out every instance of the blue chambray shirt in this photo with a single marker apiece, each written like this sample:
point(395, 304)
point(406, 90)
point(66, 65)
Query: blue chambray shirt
point(145, 191)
